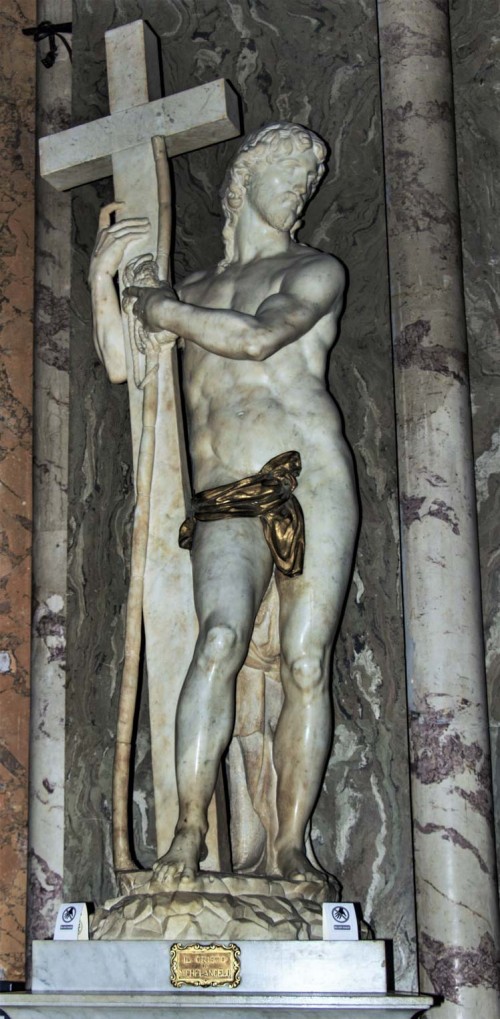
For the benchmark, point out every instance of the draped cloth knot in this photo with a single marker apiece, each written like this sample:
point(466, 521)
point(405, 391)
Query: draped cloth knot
point(268, 495)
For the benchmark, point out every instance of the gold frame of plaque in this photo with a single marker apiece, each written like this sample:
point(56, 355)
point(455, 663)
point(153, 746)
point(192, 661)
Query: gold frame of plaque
point(205, 965)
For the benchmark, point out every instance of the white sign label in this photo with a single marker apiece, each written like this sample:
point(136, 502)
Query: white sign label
point(72, 922)
point(340, 922)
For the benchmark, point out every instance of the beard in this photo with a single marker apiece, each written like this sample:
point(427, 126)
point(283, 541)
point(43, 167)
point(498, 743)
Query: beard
point(283, 216)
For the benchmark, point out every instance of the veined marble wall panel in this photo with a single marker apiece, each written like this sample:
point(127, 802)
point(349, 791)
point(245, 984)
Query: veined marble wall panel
point(17, 174)
point(316, 64)
point(475, 27)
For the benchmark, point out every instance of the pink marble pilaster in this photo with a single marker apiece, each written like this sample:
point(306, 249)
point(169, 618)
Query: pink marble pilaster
point(457, 904)
point(17, 175)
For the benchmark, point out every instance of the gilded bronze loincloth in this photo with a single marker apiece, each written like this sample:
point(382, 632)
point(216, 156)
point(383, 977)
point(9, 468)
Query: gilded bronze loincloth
point(268, 495)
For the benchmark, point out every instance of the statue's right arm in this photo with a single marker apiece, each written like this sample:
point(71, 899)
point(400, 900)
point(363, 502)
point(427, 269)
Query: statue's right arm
point(110, 247)
point(311, 290)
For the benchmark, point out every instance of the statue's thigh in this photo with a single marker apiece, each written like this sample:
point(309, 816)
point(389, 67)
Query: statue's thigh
point(231, 570)
point(311, 604)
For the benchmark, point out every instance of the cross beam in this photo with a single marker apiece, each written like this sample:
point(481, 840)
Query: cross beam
point(189, 120)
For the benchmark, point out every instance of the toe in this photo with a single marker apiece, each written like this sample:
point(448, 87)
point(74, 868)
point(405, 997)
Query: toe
point(296, 875)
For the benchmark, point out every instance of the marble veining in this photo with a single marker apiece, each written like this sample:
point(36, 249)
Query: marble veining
point(119, 967)
point(17, 168)
point(50, 487)
point(475, 28)
point(444, 966)
point(457, 909)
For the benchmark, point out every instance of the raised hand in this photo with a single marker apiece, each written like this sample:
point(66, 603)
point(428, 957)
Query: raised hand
point(113, 239)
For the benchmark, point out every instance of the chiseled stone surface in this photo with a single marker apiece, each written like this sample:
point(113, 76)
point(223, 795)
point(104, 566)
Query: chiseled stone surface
point(211, 916)
point(319, 67)
point(50, 484)
point(475, 28)
point(457, 907)
point(224, 907)
point(17, 168)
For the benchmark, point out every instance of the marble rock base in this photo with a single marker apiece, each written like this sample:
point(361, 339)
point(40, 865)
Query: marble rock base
point(224, 907)
point(196, 1006)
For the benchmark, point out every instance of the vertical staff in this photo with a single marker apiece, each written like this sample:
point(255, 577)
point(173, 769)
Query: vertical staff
point(122, 855)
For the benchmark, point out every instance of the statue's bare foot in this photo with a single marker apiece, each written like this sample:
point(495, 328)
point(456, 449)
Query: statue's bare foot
point(293, 865)
point(182, 861)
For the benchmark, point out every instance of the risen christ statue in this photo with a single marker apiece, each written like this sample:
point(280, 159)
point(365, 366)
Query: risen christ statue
point(256, 332)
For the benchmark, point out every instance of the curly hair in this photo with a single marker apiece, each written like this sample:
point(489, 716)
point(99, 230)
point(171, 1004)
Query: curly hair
point(266, 143)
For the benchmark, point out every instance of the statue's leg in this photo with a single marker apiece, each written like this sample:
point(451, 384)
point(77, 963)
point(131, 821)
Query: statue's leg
point(310, 608)
point(231, 571)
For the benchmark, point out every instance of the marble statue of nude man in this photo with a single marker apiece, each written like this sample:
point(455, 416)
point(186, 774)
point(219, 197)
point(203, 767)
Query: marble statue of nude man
point(257, 329)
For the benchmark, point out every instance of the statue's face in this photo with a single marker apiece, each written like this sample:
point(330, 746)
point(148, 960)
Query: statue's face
point(278, 191)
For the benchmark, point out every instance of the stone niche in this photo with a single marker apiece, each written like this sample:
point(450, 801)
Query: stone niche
point(318, 65)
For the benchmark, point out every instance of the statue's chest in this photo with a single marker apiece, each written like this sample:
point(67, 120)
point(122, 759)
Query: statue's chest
point(241, 290)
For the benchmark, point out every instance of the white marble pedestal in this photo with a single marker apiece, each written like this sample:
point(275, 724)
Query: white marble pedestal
point(313, 979)
point(240, 1006)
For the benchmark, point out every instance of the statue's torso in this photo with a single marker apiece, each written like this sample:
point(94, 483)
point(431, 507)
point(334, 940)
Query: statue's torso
point(242, 412)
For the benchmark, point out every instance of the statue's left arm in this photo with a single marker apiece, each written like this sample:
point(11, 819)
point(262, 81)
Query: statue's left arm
point(111, 244)
point(311, 289)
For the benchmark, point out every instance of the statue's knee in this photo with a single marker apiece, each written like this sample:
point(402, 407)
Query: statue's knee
point(307, 673)
point(219, 643)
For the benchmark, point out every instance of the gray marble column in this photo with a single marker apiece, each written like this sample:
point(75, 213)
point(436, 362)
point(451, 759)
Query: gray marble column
point(475, 29)
point(457, 905)
point(17, 222)
point(51, 415)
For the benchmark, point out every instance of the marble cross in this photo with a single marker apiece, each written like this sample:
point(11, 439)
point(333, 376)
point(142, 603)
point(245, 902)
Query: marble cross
point(121, 144)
